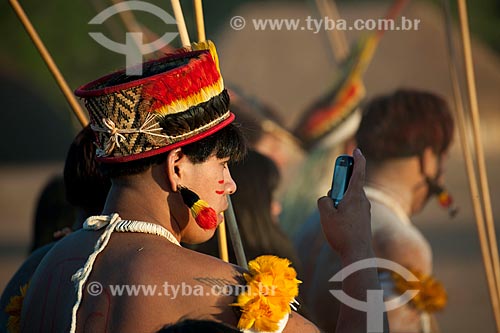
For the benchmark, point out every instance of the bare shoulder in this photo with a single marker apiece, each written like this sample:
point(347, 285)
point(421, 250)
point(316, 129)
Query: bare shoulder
point(170, 260)
point(404, 245)
point(163, 283)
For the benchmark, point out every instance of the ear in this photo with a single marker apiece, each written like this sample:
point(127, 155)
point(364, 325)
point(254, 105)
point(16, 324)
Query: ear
point(175, 160)
point(429, 162)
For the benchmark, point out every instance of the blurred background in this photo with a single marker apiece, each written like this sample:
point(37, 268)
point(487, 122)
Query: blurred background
point(285, 69)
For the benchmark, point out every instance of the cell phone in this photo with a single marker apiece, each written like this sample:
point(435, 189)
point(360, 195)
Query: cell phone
point(341, 175)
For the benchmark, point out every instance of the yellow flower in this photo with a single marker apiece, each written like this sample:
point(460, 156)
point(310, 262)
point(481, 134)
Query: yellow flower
point(13, 309)
point(432, 296)
point(271, 286)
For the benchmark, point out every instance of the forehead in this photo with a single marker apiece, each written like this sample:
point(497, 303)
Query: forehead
point(214, 160)
point(213, 157)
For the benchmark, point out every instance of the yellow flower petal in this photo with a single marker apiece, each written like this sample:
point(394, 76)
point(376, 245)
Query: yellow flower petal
point(271, 287)
point(432, 296)
point(13, 309)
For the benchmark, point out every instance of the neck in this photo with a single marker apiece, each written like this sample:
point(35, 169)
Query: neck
point(140, 199)
point(397, 178)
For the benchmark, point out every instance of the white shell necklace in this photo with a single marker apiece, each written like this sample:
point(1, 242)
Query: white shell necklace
point(112, 223)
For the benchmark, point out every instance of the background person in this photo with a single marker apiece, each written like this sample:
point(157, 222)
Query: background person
point(405, 137)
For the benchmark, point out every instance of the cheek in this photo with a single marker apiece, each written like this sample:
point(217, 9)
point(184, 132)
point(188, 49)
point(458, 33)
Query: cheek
point(220, 187)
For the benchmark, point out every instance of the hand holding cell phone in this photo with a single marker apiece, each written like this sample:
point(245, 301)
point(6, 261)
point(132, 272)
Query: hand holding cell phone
point(347, 228)
point(342, 172)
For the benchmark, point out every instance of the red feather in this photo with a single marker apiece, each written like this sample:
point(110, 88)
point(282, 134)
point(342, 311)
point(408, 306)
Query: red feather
point(167, 88)
point(207, 218)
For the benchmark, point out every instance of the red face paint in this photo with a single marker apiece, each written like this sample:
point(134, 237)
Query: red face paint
point(220, 192)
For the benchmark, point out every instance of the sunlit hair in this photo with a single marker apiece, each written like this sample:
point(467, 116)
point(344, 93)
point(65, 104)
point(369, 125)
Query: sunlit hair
point(403, 124)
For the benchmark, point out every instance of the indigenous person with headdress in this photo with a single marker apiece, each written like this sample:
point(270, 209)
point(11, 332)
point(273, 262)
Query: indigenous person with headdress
point(405, 137)
point(166, 138)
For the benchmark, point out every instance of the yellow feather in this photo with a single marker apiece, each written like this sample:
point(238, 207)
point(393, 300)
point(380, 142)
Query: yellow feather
point(207, 45)
point(199, 97)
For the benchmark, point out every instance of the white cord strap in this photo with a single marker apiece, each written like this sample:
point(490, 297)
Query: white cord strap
point(112, 223)
point(81, 276)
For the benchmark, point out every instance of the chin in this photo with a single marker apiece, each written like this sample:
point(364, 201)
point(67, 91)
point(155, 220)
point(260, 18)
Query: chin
point(416, 210)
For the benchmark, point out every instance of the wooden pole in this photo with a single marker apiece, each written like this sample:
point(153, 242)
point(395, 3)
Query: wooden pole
point(113, 27)
point(127, 17)
point(200, 23)
point(469, 165)
point(132, 25)
point(232, 225)
point(234, 233)
point(222, 241)
point(181, 24)
point(337, 39)
point(476, 131)
point(61, 82)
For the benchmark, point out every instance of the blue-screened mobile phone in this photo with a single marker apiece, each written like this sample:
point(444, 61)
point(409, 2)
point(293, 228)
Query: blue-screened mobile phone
point(341, 176)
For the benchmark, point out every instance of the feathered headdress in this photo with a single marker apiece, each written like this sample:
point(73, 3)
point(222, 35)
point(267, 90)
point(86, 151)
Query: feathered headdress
point(178, 99)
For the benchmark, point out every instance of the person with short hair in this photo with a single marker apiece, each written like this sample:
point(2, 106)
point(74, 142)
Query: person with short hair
point(166, 138)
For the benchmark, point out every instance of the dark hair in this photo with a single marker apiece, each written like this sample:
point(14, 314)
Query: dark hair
point(85, 185)
point(196, 116)
point(404, 124)
point(257, 178)
point(228, 142)
point(196, 326)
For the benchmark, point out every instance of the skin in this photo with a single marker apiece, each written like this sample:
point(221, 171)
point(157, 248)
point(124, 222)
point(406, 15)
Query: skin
point(408, 249)
point(142, 259)
point(403, 181)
